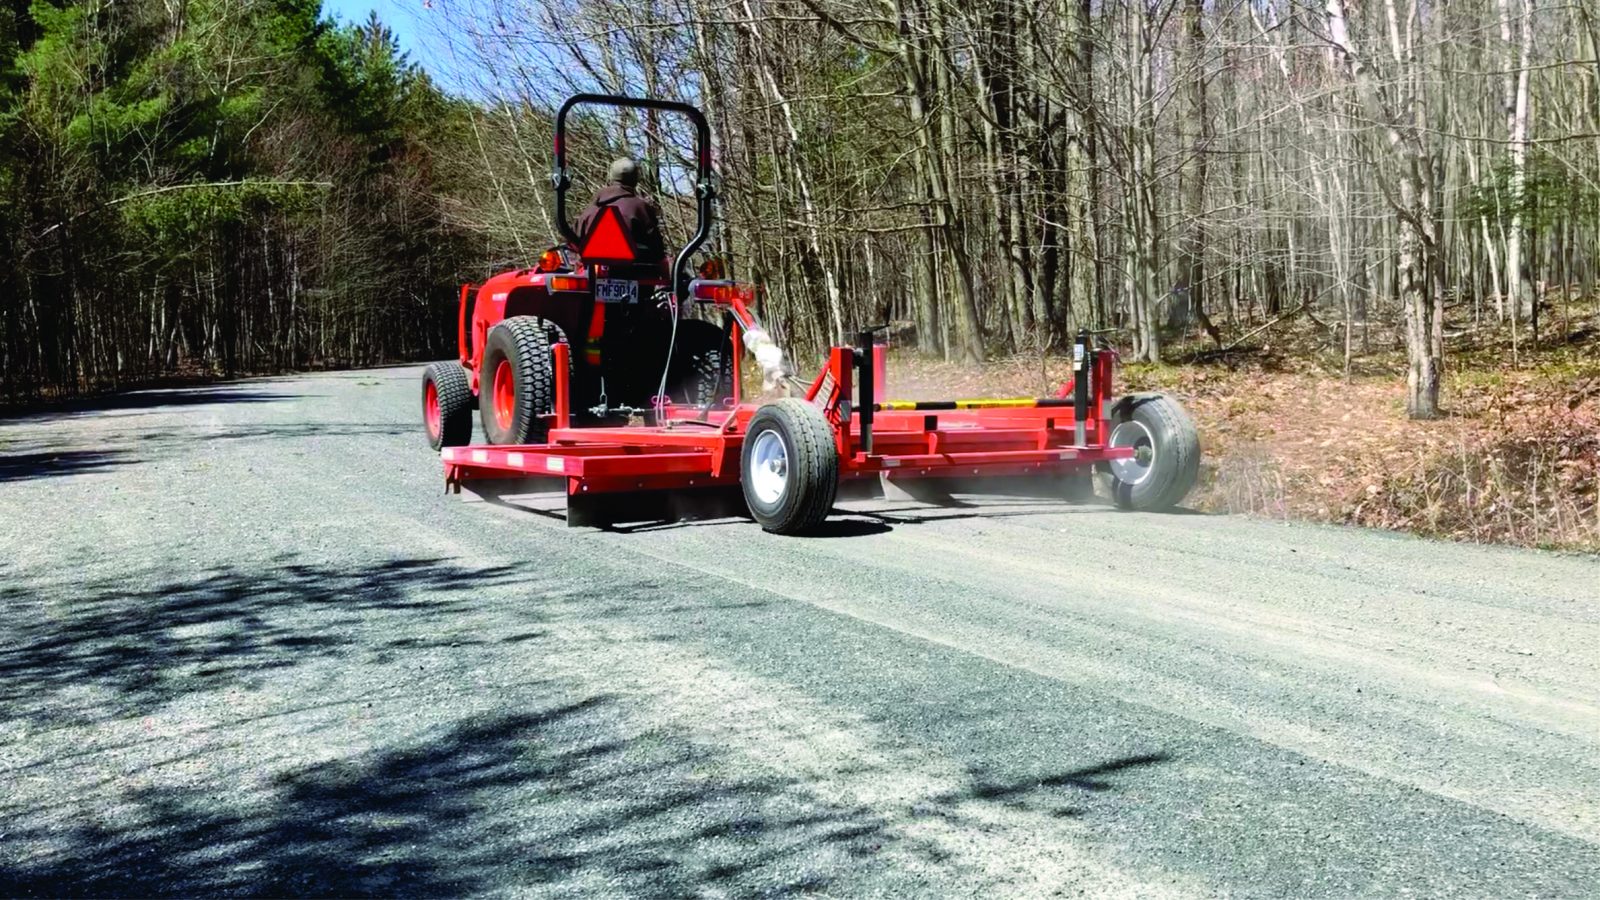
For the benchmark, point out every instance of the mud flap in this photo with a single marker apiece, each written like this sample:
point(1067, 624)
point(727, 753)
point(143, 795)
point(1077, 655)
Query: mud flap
point(655, 507)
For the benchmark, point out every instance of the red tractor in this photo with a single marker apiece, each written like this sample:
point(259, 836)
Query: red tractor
point(563, 358)
point(631, 343)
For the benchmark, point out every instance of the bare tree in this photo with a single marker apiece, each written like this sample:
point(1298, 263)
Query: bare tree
point(1396, 107)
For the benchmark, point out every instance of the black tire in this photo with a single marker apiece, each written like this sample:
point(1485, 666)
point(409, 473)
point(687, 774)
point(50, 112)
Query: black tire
point(1172, 464)
point(517, 416)
point(810, 481)
point(448, 419)
point(697, 364)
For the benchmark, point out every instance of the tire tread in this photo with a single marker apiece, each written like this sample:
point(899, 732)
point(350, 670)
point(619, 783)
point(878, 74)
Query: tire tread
point(455, 403)
point(699, 364)
point(530, 337)
point(813, 461)
point(1179, 441)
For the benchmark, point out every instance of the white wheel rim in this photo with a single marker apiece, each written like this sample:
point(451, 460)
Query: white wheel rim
point(768, 472)
point(1133, 434)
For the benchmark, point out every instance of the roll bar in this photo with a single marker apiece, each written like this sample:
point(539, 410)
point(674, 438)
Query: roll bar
point(704, 190)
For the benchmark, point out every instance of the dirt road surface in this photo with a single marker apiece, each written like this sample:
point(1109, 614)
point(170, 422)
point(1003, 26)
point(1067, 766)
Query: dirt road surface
point(248, 646)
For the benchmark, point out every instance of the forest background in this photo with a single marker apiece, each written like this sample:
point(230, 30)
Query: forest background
point(1360, 239)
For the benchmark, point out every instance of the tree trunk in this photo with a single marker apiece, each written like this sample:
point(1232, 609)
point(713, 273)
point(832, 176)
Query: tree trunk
point(1517, 268)
point(1410, 192)
point(1189, 285)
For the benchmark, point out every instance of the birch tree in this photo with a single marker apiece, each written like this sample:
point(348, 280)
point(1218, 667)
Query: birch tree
point(1398, 115)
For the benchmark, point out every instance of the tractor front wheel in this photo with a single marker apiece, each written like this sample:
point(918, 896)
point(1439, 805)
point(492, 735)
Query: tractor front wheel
point(447, 405)
point(789, 467)
point(517, 385)
point(1166, 460)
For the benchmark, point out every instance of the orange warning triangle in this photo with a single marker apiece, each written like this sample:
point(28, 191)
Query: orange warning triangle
point(607, 241)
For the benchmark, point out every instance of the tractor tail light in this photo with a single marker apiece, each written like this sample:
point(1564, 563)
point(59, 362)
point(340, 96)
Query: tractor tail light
point(568, 283)
point(706, 291)
point(550, 261)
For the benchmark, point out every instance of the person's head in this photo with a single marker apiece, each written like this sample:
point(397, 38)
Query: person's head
point(623, 171)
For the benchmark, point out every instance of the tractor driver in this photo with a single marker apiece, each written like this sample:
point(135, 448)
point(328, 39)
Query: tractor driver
point(640, 216)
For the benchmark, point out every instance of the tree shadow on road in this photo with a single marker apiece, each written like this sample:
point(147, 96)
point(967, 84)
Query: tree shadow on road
point(554, 786)
point(40, 457)
point(158, 398)
point(45, 464)
point(561, 799)
point(43, 452)
point(74, 651)
point(1056, 793)
point(394, 823)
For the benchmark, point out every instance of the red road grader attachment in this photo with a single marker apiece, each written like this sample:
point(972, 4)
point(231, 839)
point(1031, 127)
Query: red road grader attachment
point(790, 457)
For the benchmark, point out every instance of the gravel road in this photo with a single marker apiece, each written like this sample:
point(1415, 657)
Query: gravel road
point(248, 646)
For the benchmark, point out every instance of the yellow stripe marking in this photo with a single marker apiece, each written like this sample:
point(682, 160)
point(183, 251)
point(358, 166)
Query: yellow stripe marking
point(989, 403)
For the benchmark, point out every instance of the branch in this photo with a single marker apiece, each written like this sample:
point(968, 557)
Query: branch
point(183, 187)
point(211, 184)
point(838, 26)
point(1291, 313)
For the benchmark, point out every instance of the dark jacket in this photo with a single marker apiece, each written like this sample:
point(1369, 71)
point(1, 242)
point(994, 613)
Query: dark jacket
point(641, 220)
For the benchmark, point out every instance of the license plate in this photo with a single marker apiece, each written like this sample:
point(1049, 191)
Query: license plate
point(616, 290)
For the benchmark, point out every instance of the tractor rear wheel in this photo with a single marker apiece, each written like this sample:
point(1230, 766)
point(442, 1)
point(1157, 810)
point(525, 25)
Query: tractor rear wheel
point(789, 467)
point(517, 385)
point(447, 405)
point(697, 363)
point(1167, 448)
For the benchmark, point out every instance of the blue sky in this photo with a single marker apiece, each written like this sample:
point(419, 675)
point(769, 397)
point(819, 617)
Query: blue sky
point(399, 15)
